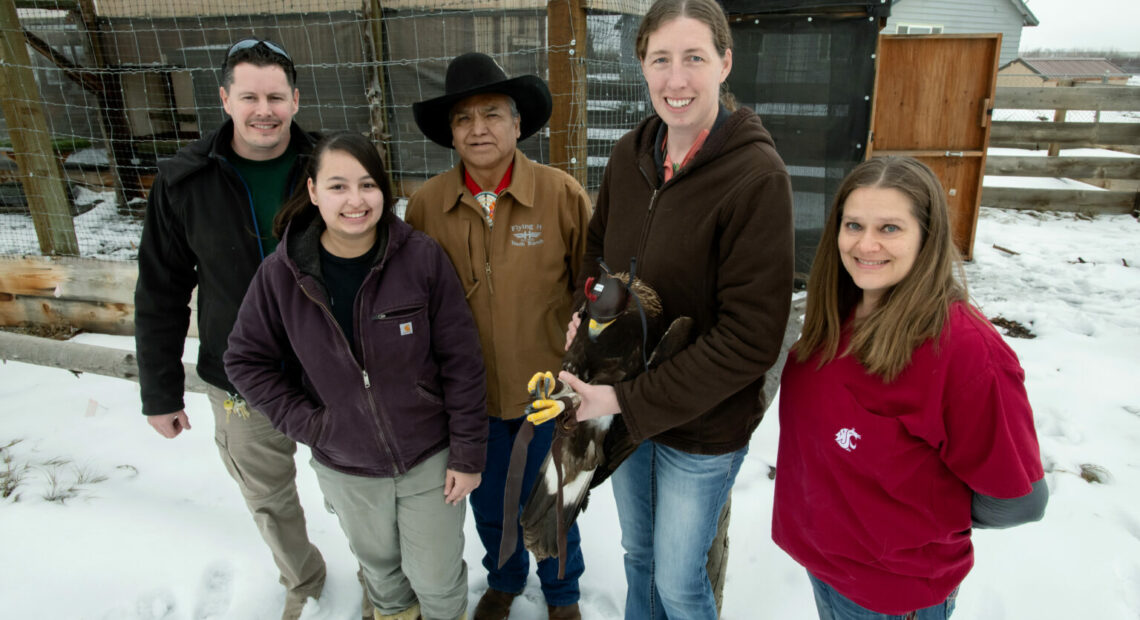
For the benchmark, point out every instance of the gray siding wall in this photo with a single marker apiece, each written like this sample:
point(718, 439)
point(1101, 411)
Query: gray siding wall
point(963, 16)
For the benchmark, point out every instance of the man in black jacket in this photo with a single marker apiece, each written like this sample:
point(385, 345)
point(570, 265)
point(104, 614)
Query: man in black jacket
point(209, 224)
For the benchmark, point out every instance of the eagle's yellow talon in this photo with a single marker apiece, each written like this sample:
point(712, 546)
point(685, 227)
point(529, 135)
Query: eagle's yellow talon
point(540, 385)
point(544, 410)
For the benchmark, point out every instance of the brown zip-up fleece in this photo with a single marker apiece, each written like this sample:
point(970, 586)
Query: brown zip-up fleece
point(716, 243)
point(518, 275)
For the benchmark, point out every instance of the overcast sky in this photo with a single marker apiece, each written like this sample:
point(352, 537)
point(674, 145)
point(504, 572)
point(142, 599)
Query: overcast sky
point(1087, 24)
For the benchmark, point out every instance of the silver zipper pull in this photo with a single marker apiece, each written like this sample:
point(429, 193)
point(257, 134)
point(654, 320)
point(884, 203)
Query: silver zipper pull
point(367, 382)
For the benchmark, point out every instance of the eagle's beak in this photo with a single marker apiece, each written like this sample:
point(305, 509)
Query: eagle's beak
point(596, 328)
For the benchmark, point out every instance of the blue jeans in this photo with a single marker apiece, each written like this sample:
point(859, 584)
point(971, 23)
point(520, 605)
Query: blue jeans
point(834, 606)
point(487, 507)
point(668, 503)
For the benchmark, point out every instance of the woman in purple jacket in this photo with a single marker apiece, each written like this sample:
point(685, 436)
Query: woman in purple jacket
point(355, 340)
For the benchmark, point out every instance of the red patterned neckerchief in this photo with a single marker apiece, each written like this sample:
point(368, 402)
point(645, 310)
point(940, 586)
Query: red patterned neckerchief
point(488, 199)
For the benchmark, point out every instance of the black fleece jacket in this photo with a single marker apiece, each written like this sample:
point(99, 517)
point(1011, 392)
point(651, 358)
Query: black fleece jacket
point(200, 230)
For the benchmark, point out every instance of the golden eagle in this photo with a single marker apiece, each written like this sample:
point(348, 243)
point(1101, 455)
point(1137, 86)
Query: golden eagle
point(622, 334)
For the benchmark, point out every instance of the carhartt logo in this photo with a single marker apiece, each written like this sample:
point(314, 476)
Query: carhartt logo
point(405, 329)
point(846, 438)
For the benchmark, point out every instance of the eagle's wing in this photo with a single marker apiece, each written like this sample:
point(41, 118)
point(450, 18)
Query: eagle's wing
point(618, 444)
point(582, 452)
point(675, 339)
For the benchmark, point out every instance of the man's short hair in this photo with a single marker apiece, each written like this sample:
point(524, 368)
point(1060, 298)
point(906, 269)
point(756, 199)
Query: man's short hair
point(514, 108)
point(258, 53)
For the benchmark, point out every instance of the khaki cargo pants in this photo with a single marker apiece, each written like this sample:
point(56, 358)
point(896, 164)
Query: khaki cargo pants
point(260, 460)
point(408, 540)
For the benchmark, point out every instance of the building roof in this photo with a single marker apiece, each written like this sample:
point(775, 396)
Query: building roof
point(1073, 67)
point(1027, 16)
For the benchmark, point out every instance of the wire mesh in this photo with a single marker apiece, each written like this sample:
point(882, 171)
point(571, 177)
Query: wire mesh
point(122, 84)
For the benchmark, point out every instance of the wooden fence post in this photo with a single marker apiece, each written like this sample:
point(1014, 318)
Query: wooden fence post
point(1059, 117)
point(113, 116)
point(41, 174)
point(374, 51)
point(566, 32)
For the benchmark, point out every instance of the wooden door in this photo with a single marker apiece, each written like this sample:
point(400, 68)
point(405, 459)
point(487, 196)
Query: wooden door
point(933, 101)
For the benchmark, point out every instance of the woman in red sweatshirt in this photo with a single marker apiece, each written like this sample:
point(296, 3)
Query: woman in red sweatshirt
point(904, 420)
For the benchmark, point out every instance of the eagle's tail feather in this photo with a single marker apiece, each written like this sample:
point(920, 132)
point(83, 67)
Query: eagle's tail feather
point(539, 518)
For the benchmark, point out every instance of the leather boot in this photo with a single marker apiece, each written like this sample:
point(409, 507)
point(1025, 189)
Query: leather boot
point(494, 605)
point(564, 612)
point(411, 613)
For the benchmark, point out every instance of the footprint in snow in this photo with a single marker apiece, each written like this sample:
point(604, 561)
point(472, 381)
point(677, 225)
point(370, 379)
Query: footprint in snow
point(215, 592)
point(156, 605)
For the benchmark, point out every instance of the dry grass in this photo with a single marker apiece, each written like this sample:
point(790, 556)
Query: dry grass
point(12, 474)
point(55, 480)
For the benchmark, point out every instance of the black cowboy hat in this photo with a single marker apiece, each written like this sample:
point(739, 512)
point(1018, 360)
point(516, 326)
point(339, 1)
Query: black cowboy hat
point(475, 74)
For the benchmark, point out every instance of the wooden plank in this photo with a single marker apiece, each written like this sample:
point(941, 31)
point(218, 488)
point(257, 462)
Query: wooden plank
point(927, 153)
point(933, 96)
point(79, 279)
point(228, 8)
point(94, 316)
point(78, 357)
point(41, 174)
point(566, 32)
point(1059, 199)
point(1067, 167)
point(204, 8)
point(94, 295)
point(1104, 98)
point(961, 179)
point(1009, 133)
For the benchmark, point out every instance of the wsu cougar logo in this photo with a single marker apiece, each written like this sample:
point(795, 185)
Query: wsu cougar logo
point(846, 438)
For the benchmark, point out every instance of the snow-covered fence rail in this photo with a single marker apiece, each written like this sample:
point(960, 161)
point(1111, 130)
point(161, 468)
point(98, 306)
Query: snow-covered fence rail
point(1103, 98)
point(79, 358)
point(1116, 127)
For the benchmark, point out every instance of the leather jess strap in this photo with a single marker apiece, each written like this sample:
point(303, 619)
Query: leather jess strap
point(512, 492)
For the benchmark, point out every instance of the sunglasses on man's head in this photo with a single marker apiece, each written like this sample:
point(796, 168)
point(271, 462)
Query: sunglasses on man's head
point(245, 44)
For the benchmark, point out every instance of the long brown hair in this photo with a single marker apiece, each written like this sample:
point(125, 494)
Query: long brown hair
point(356, 145)
point(707, 12)
point(912, 311)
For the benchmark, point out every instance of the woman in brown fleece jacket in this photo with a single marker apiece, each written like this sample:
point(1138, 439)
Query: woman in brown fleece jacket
point(697, 200)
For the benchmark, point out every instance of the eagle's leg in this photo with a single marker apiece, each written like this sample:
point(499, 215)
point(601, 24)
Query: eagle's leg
point(556, 495)
point(551, 398)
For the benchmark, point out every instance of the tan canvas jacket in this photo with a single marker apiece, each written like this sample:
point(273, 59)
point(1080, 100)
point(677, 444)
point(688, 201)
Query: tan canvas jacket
point(519, 274)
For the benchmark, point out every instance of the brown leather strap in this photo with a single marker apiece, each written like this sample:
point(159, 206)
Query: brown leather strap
point(556, 456)
point(513, 491)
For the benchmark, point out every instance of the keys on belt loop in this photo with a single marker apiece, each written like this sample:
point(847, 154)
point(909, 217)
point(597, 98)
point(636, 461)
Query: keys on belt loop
point(235, 404)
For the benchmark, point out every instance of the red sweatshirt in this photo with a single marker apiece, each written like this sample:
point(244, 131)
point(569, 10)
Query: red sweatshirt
point(874, 479)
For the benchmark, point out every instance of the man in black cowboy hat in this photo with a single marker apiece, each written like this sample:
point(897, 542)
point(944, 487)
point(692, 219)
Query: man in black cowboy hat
point(516, 232)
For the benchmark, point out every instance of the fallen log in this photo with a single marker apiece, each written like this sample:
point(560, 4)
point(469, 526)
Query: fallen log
point(79, 358)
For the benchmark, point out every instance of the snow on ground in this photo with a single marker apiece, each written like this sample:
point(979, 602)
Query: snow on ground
point(145, 528)
point(1073, 116)
point(101, 231)
point(1046, 182)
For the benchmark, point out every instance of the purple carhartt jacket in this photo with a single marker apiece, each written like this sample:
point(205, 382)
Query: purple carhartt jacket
point(410, 385)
